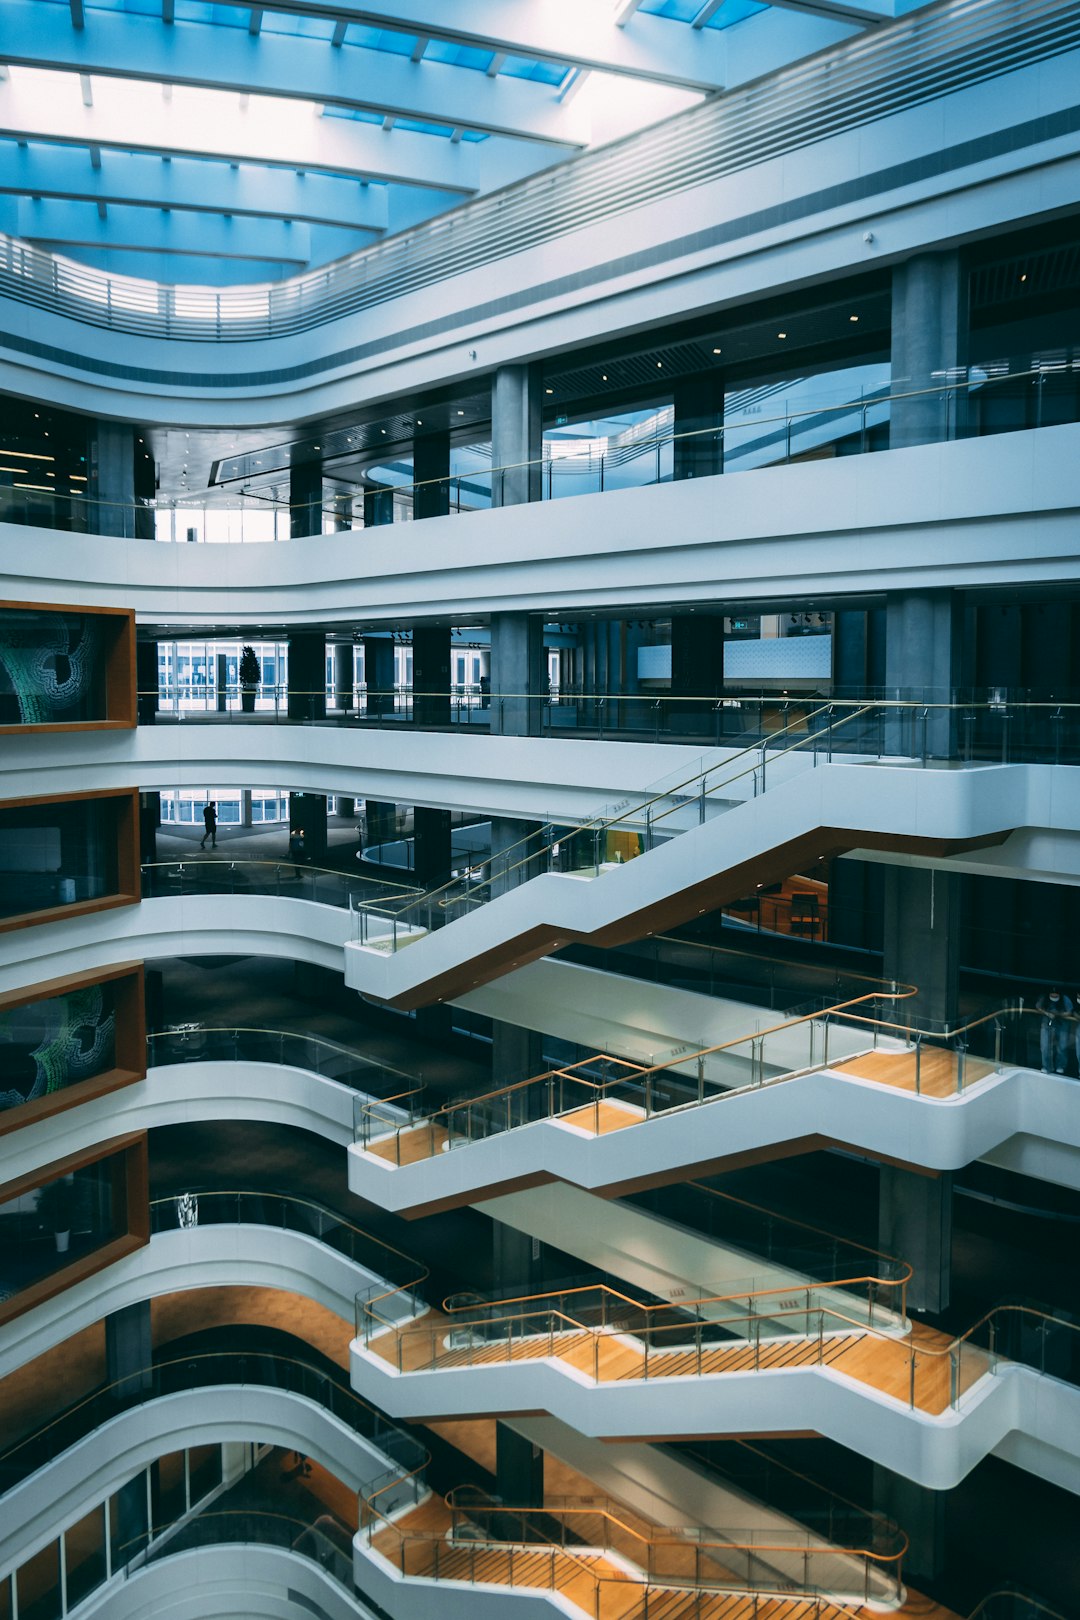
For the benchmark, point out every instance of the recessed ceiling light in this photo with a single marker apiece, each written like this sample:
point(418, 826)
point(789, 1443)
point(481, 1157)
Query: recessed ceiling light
point(549, 390)
point(718, 351)
point(1024, 276)
point(382, 430)
point(461, 413)
point(781, 334)
point(853, 317)
point(659, 365)
point(604, 377)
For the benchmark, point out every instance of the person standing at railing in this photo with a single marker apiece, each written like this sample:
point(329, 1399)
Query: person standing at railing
point(1054, 1031)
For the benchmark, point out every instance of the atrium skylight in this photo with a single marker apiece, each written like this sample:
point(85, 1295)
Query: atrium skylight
point(425, 108)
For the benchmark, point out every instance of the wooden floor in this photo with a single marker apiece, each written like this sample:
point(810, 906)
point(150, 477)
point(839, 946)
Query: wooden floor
point(937, 1070)
point(602, 1117)
point(915, 1370)
point(419, 1545)
point(937, 1078)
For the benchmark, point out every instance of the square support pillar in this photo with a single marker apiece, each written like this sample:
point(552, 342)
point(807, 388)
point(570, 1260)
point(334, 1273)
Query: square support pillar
point(379, 675)
point(344, 671)
point(305, 499)
point(924, 664)
point(431, 675)
point(307, 676)
point(921, 941)
point(146, 681)
point(307, 812)
point(112, 479)
point(431, 846)
point(517, 435)
point(519, 1471)
point(431, 475)
point(915, 1224)
point(699, 411)
point(929, 345)
point(518, 684)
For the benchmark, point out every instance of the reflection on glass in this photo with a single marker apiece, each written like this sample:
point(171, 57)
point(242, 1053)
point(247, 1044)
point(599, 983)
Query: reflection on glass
point(57, 1043)
point(52, 668)
point(56, 854)
point(84, 1555)
point(47, 1229)
point(38, 1585)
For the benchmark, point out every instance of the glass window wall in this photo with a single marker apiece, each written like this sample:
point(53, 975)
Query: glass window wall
point(57, 854)
point(56, 1043)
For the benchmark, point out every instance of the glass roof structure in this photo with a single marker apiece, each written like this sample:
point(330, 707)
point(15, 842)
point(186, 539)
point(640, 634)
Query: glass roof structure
point(219, 141)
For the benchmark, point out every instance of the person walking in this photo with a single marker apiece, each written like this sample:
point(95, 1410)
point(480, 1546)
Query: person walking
point(209, 816)
point(1053, 1030)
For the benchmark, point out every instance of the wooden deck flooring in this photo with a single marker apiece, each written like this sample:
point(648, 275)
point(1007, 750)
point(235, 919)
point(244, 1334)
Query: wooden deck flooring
point(937, 1070)
point(913, 1370)
point(937, 1078)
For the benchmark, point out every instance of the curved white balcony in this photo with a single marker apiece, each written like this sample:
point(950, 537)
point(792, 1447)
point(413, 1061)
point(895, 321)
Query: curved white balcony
point(854, 523)
point(235, 1581)
point(229, 1254)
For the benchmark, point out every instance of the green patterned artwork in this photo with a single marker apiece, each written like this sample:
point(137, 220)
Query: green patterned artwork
point(49, 663)
point(55, 1044)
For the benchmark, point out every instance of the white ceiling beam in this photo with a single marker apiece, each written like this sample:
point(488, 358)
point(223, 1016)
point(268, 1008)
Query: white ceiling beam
point(624, 10)
point(564, 31)
point(186, 124)
point(128, 45)
point(141, 179)
point(151, 230)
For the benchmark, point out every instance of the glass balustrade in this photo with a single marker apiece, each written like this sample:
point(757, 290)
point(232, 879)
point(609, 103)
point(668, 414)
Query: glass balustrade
point(1000, 395)
point(926, 733)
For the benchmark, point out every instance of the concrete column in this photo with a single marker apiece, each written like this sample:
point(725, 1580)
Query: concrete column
point(431, 675)
point(308, 811)
point(129, 1350)
point(305, 499)
point(517, 674)
point(515, 852)
point(431, 473)
point(344, 665)
point(379, 675)
point(921, 941)
point(378, 505)
point(850, 653)
point(221, 682)
point(307, 675)
point(146, 681)
point(431, 846)
point(515, 1268)
point(112, 479)
point(245, 807)
point(699, 405)
point(924, 663)
point(519, 1470)
point(697, 668)
point(920, 1514)
point(929, 343)
point(915, 1224)
point(517, 435)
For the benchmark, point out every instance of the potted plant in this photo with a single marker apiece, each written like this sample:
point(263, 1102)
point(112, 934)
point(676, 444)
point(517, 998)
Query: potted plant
point(250, 676)
point(56, 1209)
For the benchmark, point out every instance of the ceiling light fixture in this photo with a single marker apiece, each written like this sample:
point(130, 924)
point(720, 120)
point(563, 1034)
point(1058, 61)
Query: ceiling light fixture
point(853, 317)
point(781, 334)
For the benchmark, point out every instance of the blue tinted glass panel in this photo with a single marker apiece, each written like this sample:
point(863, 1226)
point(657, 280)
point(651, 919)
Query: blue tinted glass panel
point(279, 22)
point(381, 39)
point(420, 126)
point(466, 56)
point(677, 10)
point(733, 11)
point(474, 135)
point(525, 67)
point(359, 115)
